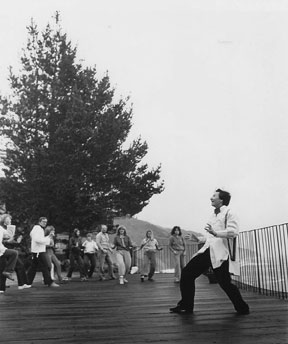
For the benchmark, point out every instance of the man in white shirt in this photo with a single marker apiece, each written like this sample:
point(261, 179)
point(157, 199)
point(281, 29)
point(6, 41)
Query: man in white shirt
point(221, 228)
point(39, 256)
point(105, 251)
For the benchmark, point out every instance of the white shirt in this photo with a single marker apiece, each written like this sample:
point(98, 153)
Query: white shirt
point(219, 251)
point(3, 234)
point(102, 240)
point(90, 246)
point(38, 239)
point(149, 244)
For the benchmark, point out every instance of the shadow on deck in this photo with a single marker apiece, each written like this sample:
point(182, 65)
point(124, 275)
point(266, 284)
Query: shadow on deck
point(106, 312)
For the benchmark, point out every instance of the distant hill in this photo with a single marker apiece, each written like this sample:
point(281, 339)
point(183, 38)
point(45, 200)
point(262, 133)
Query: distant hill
point(137, 229)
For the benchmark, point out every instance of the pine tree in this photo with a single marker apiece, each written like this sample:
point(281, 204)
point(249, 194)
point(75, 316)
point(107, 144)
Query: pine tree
point(66, 157)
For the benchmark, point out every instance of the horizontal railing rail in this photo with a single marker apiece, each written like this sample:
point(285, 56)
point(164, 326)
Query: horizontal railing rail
point(164, 258)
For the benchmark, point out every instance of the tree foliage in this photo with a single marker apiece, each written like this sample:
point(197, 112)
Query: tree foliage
point(66, 157)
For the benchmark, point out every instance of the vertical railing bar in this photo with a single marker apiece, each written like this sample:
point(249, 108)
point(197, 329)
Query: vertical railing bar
point(269, 257)
point(257, 260)
point(281, 259)
point(274, 261)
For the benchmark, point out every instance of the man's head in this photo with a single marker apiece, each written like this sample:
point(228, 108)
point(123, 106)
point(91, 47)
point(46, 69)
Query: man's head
point(103, 228)
point(219, 198)
point(43, 221)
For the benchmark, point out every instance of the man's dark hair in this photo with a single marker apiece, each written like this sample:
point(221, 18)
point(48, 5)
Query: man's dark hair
point(224, 196)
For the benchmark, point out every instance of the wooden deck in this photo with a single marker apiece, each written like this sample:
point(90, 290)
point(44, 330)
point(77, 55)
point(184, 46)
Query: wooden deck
point(106, 312)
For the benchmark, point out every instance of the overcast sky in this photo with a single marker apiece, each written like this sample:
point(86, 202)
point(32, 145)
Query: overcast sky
point(209, 86)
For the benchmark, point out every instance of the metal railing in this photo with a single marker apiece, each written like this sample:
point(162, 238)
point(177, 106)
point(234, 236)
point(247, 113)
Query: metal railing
point(263, 260)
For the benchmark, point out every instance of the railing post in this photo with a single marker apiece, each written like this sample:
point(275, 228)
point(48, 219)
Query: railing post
point(257, 261)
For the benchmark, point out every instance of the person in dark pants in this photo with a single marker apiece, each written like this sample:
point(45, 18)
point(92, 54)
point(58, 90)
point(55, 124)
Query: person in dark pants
point(90, 252)
point(75, 255)
point(18, 244)
point(8, 257)
point(39, 255)
point(222, 226)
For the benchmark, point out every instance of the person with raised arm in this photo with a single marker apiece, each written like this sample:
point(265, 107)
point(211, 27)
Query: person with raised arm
point(217, 253)
point(39, 255)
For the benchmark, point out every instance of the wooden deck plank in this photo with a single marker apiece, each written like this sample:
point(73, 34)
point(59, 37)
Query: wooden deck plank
point(107, 312)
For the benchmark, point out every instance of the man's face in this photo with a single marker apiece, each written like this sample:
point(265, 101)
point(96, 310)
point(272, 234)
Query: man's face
point(216, 201)
point(43, 223)
point(104, 229)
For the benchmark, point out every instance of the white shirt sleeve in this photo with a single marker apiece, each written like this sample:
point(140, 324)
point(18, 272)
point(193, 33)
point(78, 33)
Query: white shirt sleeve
point(37, 235)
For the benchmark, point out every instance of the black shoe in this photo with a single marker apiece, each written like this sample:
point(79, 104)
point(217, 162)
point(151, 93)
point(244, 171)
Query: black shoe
point(181, 310)
point(151, 279)
point(142, 278)
point(244, 312)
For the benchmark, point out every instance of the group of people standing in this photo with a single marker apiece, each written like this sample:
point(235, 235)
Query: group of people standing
point(82, 253)
point(216, 253)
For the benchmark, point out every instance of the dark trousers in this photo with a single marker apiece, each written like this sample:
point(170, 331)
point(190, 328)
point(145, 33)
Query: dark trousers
point(41, 260)
point(149, 263)
point(11, 259)
point(195, 268)
point(2, 277)
point(89, 261)
point(20, 271)
point(7, 263)
point(73, 259)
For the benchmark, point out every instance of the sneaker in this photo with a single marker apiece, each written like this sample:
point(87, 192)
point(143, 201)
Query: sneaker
point(24, 286)
point(54, 285)
point(125, 280)
point(134, 270)
point(142, 278)
point(121, 280)
point(2, 291)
